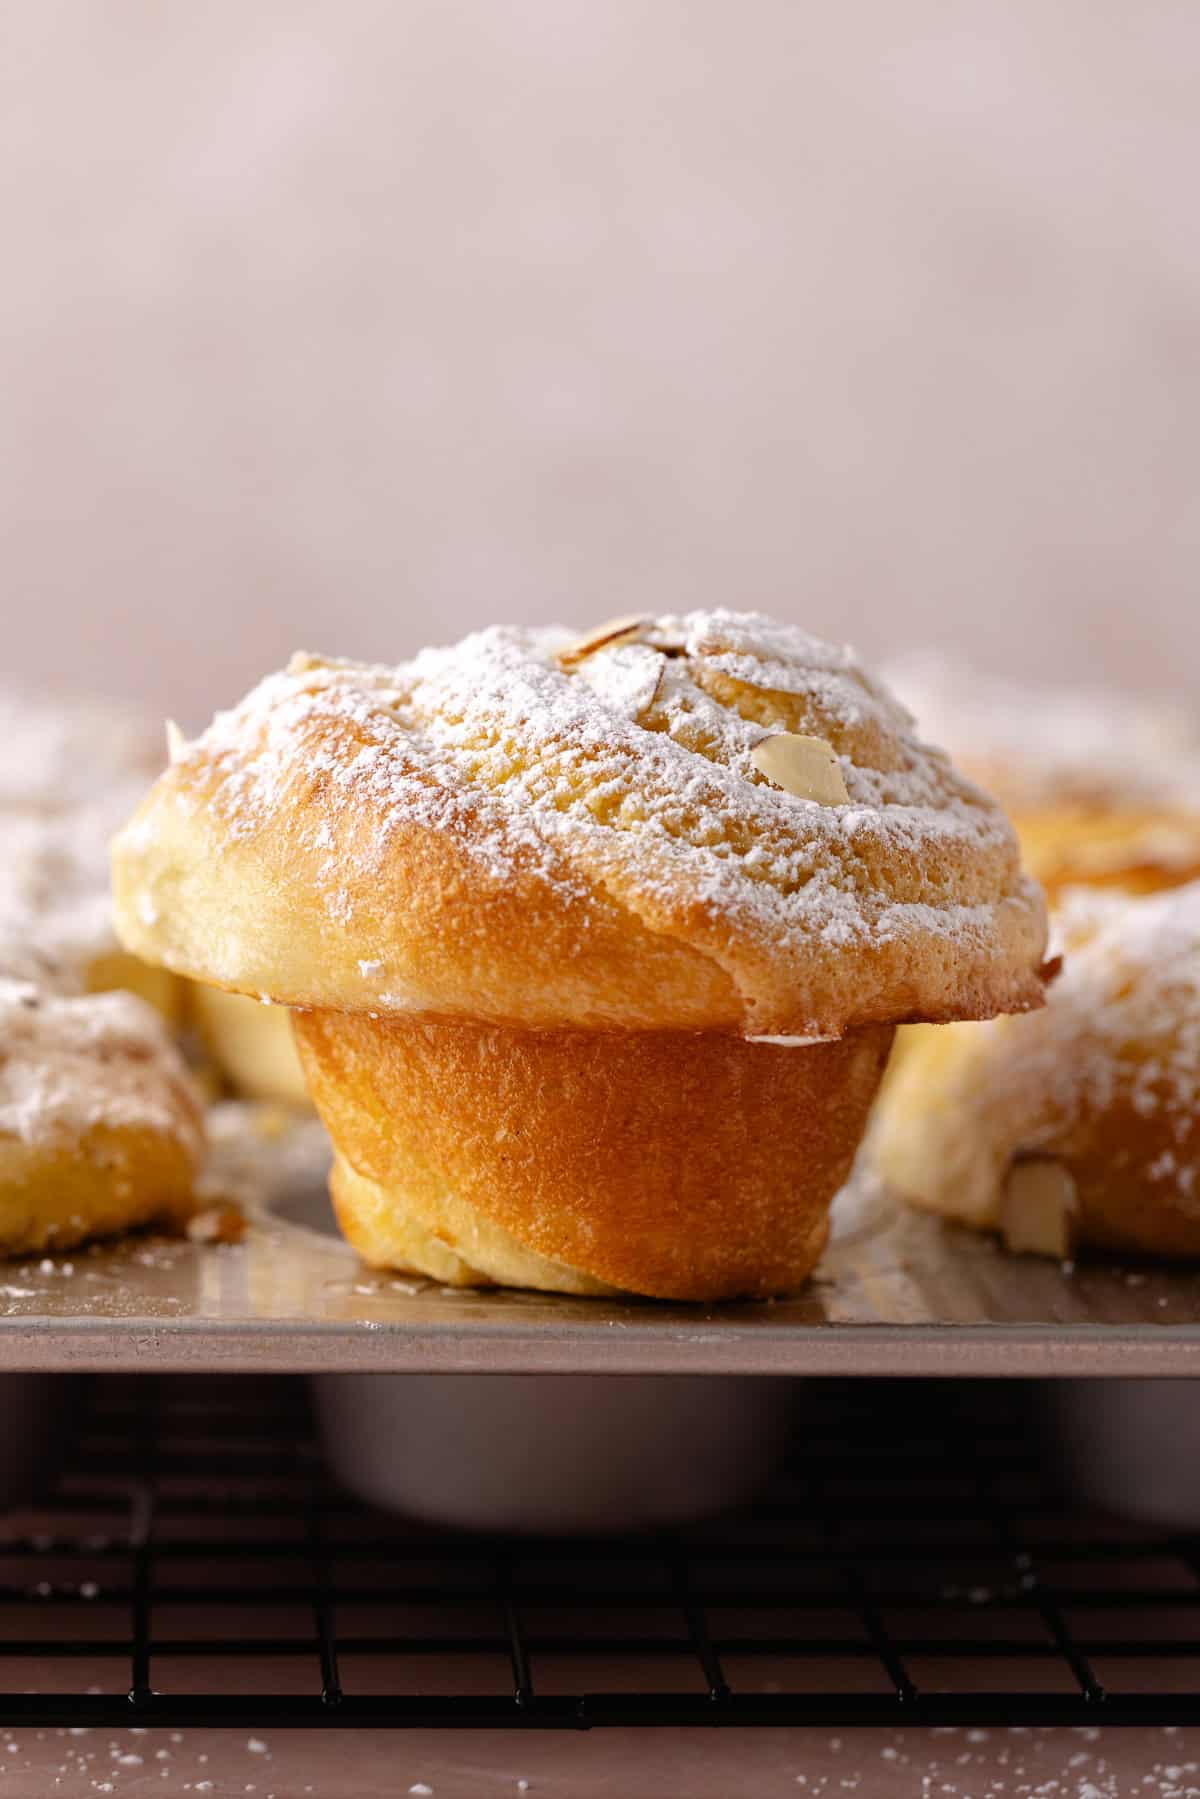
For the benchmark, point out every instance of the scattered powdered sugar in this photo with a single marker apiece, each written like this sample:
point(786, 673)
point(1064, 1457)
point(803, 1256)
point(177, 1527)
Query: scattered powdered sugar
point(68, 1064)
point(1043, 743)
point(632, 770)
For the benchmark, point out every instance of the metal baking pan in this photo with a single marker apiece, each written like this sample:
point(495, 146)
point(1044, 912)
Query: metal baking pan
point(896, 1293)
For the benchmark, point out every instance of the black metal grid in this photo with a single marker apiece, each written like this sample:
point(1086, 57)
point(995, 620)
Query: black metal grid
point(193, 1565)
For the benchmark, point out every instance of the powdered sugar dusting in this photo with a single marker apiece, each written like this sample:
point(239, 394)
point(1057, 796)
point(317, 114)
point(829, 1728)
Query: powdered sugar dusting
point(1130, 992)
point(634, 769)
point(67, 1065)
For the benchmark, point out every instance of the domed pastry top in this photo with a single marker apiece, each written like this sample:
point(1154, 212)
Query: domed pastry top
point(542, 830)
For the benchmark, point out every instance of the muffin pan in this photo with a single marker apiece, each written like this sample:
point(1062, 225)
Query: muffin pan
point(896, 1293)
point(554, 1454)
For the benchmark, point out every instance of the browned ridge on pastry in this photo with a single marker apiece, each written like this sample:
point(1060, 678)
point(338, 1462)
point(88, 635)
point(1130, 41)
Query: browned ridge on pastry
point(535, 831)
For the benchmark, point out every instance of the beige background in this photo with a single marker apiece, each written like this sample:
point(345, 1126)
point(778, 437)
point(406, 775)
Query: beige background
point(353, 323)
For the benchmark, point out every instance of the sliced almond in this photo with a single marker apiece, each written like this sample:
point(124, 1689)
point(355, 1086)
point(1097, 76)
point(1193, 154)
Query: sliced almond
point(805, 766)
point(612, 631)
point(1039, 1210)
point(628, 684)
point(177, 743)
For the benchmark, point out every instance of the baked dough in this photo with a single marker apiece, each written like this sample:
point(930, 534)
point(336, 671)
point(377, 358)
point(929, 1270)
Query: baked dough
point(532, 864)
point(679, 1165)
point(484, 833)
point(1103, 789)
point(1081, 1125)
point(99, 1128)
point(251, 1043)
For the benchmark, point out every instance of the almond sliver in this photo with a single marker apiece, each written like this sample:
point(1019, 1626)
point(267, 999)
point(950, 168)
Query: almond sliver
point(1039, 1209)
point(612, 631)
point(804, 766)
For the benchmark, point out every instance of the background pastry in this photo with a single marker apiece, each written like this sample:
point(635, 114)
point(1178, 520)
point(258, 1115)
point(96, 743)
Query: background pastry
point(70, 773)
point(1103, 788)
point(1081, 1125)
point(68, 776)
point(250, 1043)
point(99, 1127)
point(549, 873)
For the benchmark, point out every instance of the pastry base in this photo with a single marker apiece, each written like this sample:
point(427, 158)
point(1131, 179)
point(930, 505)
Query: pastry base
point(678, 1165)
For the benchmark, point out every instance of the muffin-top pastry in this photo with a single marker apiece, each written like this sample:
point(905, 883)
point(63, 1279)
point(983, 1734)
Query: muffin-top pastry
point(1080, 1126)
point(706, 822)
point(99, 1128)
point(1104, 789)
point(599, 942)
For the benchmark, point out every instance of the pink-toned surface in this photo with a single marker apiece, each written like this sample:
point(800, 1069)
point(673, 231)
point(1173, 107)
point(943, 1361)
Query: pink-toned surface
point(354, 326)
point(803, 1764)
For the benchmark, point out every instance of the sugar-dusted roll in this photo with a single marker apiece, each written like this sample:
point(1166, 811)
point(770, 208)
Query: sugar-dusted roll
point(1079, 1126)
point(535, 865)
point(69, 773)
point(99, 1128)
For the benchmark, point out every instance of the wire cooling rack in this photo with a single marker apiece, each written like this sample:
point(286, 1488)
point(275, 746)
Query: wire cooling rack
point(193, 1565)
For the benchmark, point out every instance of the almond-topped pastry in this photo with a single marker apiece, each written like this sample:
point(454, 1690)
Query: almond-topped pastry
point(1080, 1126)
point(540, 898)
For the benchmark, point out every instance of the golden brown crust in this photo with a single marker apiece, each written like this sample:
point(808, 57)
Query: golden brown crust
point(440, 1235)
point(56, 1195)
point(488, 834)
point(100, 1130)
point(245, 913)
point(676, 1165)
point(1105, 1082)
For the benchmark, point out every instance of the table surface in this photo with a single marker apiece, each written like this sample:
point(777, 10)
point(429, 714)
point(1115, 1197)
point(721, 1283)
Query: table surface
point(896, 1293)
point(1152, 1763)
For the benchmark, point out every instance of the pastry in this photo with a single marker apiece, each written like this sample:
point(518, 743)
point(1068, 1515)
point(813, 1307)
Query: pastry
point(68, 775)
point(251, 1043)
point(99, 1128)
point(685, 1165)
point(1104, 790)
point(596, 944)
point(1077, 1127)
